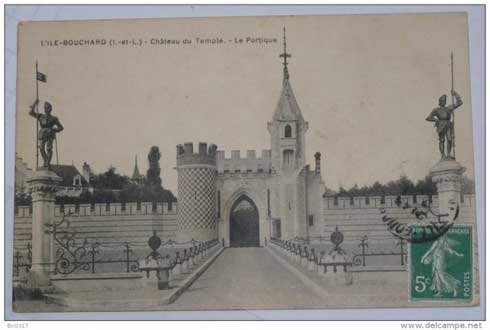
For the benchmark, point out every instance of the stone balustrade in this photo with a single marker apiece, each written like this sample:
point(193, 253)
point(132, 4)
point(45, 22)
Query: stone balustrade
point(333, 265)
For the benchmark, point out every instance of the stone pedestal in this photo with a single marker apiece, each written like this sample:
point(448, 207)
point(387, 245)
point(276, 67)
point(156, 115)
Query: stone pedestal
point(43, 186)
point(447, 175)
point(156, 273)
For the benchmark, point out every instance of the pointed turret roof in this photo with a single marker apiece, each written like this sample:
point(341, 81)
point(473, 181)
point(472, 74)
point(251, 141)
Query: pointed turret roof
point(136, 172)
point(287, 107)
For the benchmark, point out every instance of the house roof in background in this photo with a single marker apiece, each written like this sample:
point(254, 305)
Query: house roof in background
point(67, 173)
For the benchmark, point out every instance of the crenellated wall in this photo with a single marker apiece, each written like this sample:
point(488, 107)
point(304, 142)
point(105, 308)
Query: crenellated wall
point(359, 216)
point(389, 201)
point(106, 223)
point(238, 164)
point(100, 209)
point(135, 222)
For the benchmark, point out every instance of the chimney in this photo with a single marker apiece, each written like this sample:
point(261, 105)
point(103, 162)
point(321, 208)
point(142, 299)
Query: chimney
point(317, 163)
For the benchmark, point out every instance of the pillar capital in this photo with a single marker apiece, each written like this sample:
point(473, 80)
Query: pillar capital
point(43, 184)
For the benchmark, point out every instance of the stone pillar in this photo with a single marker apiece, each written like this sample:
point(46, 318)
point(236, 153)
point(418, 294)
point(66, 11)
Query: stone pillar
point(447, 175)
point(43, 186)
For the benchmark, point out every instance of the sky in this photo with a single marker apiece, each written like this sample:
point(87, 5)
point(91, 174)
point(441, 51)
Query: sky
point(365, 83)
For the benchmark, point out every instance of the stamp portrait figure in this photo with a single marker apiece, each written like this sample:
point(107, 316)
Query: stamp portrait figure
point(50, 125)
point(445, 127)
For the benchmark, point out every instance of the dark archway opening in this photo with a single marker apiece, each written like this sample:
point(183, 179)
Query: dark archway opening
point(244, 223)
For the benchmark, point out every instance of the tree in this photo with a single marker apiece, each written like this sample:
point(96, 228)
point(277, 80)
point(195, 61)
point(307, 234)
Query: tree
point(378, 189)
point(131, 193)
point(405, 186)
point(22, 199)
point(109, 180)
point(402, 186)
point(425, 187)
point(113, 187)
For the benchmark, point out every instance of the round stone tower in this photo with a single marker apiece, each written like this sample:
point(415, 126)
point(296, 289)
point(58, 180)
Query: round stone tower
point(196, 192)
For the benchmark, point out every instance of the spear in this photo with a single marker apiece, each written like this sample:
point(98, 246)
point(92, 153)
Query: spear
point(37, 121)
point(453, 134)
point(40, 77)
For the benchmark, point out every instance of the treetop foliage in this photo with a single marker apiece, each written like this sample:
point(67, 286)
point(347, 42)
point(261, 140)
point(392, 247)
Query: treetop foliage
point(402, 186)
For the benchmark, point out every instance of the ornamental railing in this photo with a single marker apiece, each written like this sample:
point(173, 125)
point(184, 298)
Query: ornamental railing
point(361, 259)
point(101, 257)
point(364, 257)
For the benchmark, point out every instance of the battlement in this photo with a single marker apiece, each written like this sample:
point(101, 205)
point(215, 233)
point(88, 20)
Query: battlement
point(388, 201)
point(105, 209)
point(250, 163)
point(205, 155)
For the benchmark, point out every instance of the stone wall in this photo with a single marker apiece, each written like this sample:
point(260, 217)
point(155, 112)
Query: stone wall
point(134, 223)
point(107, 223)
point(359, 216)
point(249, 164)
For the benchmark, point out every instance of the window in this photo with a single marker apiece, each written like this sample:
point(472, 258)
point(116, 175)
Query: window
point(77, 181)
point(288, 158)
point(310, 220)
point(287, 131)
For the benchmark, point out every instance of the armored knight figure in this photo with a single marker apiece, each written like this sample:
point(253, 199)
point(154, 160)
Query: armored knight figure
point(444, 126)
point(50, 125)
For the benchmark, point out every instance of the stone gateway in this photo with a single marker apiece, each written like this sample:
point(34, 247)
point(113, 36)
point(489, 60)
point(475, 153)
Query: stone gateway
point(247, 200)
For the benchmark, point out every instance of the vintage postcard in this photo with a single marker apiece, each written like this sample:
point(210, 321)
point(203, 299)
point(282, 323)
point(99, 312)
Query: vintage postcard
point(286, 162)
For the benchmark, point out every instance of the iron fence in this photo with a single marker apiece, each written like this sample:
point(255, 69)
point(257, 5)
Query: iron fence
point(361, 258)
point(94, 256)
point(364, 257)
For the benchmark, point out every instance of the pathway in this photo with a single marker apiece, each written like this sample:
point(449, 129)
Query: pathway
point(247, 278)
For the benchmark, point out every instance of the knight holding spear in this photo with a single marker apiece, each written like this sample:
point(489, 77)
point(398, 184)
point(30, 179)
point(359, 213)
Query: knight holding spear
point(50, 125)
point(443, 116)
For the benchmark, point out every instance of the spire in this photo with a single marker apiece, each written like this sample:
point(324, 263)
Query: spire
point(136, 172)
point(285, 56)
point(287, 107)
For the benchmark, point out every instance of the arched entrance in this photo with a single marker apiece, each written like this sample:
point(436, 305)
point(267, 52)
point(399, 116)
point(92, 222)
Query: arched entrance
point(244, 223)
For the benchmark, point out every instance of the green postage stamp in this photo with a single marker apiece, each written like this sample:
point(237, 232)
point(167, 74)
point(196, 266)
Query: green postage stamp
point(442, 269)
